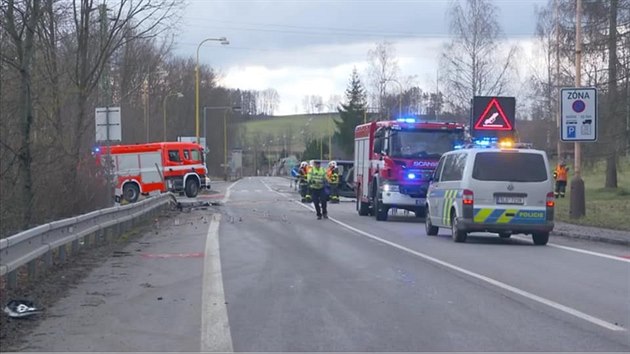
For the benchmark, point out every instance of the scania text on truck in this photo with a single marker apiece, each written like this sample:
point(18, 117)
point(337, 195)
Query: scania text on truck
point(166, 166)
point(394, 161)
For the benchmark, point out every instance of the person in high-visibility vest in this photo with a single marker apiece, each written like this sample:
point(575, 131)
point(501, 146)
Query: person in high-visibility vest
point(332, 176)
point(317, 183)
point(303, 184)
point(560, 174)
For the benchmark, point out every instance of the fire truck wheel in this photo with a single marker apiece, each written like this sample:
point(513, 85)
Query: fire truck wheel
point(362, 208)
point(192, 188)
point(380, 210)
point(131, 192)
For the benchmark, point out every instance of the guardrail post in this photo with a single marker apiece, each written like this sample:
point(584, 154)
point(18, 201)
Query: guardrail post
point(101, 237)
point(94, 238)
point(75, 247)
point(12, 279)
point(62, 253)
point(32, 269)
point(48, 258)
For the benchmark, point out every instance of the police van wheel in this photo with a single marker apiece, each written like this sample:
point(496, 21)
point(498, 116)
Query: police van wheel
point(540, 238)
point(457, 234)
point(192, 188)
point(505, 234)
point(428, 226)
point(131, 192)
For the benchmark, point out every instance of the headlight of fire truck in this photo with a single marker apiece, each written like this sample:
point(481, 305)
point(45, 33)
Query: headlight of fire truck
point(389, 187)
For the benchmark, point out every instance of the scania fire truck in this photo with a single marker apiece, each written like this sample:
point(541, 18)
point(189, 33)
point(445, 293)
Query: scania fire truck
point(394, 161)
point(145, 168)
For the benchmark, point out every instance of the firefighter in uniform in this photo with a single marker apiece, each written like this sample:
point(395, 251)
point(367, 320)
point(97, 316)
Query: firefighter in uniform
point(302, 182)
point(560, 175)
point(332, 176)
point(317, 183)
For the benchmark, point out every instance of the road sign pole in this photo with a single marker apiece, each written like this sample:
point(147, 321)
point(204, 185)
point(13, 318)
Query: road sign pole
point(577, 207)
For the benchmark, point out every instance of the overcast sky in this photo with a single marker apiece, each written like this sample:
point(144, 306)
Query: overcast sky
point(310, 47)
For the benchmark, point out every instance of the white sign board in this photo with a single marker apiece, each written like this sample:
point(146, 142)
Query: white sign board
point(108, 119)
point(578, 114)
point(192, 139)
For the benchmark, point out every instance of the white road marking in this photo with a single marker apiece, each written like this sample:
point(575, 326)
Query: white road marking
point(267, 186)
point(504, 286)
point(228, 191)
point(286, 195)
point(579, 250)
point(215, 327)
point(569, 310)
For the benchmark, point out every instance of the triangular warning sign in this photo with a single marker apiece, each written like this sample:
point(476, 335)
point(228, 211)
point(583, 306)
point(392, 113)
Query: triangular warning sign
point(493, 118)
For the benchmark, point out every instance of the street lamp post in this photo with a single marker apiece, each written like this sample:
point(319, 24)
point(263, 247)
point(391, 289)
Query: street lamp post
point(223, 41)
point(176, 94)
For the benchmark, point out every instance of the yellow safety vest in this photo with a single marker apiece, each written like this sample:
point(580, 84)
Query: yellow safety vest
point(316, 177)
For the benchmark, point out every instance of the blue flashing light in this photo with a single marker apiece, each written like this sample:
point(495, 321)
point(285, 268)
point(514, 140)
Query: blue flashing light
point(411, 175)
point(406, 120)
point(97, 149)
point(486, 141)
point(457, 147)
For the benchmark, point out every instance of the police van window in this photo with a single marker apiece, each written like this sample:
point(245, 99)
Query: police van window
point(454, 167)
point(438, 170)
point(173, 155)
point(196, 155)
point(186, 154)
point(507, 166)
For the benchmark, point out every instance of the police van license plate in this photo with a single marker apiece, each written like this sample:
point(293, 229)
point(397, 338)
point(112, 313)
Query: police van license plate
point(503, 199)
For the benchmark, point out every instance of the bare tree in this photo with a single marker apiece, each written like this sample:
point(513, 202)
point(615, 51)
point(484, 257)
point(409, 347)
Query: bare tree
point(333, 103)
point(268, 101)
point(317, 104)
point(383, 68)
point(306, 103)
point(614, 129)
point(473, 64)
point(20, 22)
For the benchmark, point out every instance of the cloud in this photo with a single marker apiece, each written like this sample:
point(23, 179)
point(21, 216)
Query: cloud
point(309, 48)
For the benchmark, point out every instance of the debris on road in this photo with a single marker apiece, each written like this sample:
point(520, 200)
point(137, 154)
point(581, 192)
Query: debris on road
point(21, 309)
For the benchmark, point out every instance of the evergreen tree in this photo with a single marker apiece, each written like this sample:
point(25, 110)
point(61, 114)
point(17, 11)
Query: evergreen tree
point(351, 113)
point(315, 148)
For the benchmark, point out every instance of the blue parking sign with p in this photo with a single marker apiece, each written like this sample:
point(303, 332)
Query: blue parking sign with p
point(571, 132)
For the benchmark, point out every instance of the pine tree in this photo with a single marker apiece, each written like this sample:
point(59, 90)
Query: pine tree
point(351, 113)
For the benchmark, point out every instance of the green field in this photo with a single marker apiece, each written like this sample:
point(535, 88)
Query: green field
point(604, 208)
point(296, 128)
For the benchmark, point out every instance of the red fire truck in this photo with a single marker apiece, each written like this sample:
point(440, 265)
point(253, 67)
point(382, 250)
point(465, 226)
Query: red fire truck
point(145, 168)
point(394, 161)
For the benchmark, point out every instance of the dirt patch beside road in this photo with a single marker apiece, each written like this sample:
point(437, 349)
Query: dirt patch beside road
point(55, 284)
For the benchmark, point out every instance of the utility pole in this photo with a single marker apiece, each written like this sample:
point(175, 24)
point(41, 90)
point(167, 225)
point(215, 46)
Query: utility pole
point(557, 16)
point(577, 207)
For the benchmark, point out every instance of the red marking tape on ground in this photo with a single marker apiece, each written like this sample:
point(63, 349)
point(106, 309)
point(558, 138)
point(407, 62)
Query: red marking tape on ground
point(173, 255)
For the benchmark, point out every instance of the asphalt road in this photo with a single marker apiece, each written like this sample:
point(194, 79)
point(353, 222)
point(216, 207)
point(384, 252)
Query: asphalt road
point(260, 273)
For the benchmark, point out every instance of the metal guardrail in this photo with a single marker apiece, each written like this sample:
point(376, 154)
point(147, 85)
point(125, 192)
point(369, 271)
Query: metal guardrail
point(30, 245)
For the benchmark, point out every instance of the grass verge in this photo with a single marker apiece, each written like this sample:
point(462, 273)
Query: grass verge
point(606, 208)
point(295, 126)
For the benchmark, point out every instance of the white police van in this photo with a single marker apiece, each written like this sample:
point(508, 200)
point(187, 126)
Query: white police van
point(489, 187)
